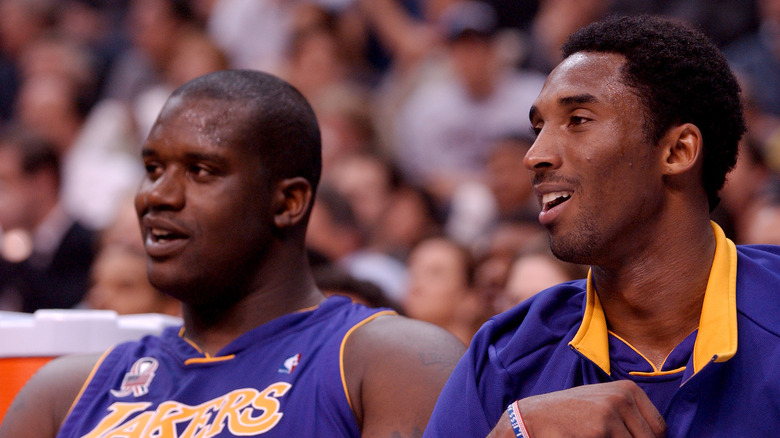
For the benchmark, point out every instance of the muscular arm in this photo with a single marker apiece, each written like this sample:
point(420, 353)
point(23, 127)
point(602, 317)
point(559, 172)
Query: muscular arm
point(614, 409)
point(41, 406)
point(395, 369)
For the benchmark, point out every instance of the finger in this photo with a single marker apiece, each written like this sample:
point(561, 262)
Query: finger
point(647, 420)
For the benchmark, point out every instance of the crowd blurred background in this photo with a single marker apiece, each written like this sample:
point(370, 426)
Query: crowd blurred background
point(424, 205)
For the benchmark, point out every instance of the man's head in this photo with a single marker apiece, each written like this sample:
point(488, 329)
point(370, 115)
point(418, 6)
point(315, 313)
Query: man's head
point(279, 124)
point(232, 163)
point(29, 180)
point(680, 77)
point(639, 124)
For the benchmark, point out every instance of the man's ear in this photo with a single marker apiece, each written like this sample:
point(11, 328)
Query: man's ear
point(682, 149)
point(294, 197)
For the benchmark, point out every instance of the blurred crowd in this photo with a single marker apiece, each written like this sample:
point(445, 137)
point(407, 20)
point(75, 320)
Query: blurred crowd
point(424, 204)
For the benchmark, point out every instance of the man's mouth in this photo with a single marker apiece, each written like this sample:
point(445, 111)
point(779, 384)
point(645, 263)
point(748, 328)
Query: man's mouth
point(550, 200)
point(161, 235)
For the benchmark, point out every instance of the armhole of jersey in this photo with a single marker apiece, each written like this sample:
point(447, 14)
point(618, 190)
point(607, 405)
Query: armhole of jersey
point(344, 343)
point(88, 381)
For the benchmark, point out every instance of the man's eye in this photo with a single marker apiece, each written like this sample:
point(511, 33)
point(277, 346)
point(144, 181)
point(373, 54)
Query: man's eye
point(576, 120)
point(152, 169)
point(200, 171)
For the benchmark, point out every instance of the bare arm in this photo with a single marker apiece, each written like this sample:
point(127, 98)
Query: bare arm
point(614, 409)
point(396, 368)
point(41, 406)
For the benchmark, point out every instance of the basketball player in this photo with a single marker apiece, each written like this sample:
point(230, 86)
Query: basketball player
point(676, 329)
point(232, 164)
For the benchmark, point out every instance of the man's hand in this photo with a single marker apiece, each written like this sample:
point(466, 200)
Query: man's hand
point(614, 409)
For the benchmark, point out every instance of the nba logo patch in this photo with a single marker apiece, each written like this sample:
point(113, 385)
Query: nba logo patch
point(289, 364)
point(138, 379)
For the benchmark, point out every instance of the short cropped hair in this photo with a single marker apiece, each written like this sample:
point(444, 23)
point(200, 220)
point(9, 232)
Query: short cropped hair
point(680, 77)
point(278, 123)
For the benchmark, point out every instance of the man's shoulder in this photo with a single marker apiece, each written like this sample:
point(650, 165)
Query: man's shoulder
point(758, 282)
point(544, 321)
point(395, 358)
point(392, 334)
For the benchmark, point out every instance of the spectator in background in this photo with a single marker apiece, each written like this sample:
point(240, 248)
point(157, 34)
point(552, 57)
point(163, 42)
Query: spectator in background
point(95, 25)
point(743, 190)
point(119, 282)
point(154, 27)
point(193, 54)
point(344, 115)
point(501, 195)
point(554, 21)
point(365, 180)
point(762, 226)
point(333, 281)
point(410, 217)
point(443, 130)
point(253, 33)
point(97, 148)
point(441, 274)
point(335, 233)
point(722, 20)
point(21, 23)
point(315, 58)
point(391, 215)
point(756, 57)
point(46, 253)
point(534, 270)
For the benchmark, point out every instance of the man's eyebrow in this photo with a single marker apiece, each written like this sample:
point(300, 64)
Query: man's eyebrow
point(577, 99)
point(566, 101)
point(192, 156)
point(213, 158)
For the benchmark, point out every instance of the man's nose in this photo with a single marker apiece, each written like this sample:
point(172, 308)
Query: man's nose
point(544, 153)
point(166, 191)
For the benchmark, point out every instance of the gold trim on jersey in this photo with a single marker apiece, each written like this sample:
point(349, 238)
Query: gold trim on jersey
point(89, 379)
point(656, 370)
point(344, 342)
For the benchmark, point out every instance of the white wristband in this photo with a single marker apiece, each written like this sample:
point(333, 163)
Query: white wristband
point(516, 420)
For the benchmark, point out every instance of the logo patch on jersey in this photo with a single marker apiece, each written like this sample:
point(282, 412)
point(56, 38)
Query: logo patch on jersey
point(139, 378)
point(289, 364)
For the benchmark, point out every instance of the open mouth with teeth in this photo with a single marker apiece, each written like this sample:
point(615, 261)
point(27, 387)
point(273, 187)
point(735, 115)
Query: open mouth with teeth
point(551, 200)
point(159, 235)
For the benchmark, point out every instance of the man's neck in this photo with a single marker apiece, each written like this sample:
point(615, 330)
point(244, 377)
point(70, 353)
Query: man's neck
point(654, 300)
point(281, 292)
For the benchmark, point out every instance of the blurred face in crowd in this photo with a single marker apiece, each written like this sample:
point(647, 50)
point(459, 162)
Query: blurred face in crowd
point(511, 188)
point(154, 28)
point(763, 226)
point(20, 205)
point(475, 62)
point(365, 181)
point(47, 105)
point(119, 283)
point(531, 274)
point(438, 281)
